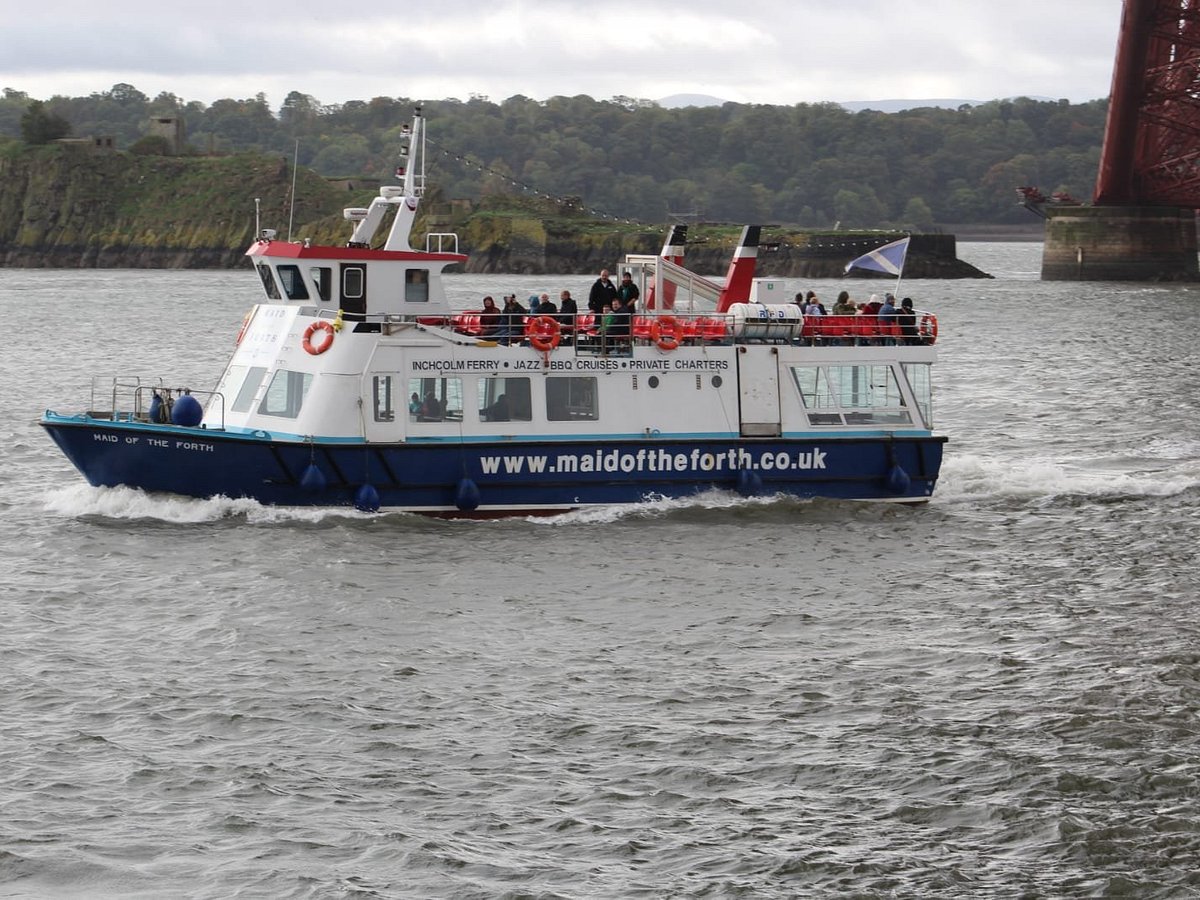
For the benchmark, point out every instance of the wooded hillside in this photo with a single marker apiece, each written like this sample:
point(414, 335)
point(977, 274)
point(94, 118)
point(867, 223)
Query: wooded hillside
point(809, 165)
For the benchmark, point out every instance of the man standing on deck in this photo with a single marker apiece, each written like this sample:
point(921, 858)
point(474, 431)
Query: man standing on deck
point(603, 293)
point(629, 293)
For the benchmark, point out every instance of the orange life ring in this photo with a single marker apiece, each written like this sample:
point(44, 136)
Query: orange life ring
point(667, 332)
point(544, 333)
point(928, 328)
point(324, 344)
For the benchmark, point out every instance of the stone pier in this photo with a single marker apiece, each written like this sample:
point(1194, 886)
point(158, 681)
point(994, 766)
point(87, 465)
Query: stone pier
point(1120, 243)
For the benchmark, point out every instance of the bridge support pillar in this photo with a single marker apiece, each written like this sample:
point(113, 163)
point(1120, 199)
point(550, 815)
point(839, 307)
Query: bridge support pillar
point(1120, 243)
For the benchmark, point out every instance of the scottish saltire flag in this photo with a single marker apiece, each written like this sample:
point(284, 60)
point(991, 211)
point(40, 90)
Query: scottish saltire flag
point(889, 258)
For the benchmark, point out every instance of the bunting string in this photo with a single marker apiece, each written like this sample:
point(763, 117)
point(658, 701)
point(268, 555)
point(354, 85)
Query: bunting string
point(566, 202)
point(826, 244)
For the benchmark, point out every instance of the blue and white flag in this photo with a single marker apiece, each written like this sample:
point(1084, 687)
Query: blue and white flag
point(889, 258)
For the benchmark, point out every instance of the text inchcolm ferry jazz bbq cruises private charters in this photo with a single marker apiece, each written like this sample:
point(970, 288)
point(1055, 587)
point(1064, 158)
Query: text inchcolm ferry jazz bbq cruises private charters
point(353, 383)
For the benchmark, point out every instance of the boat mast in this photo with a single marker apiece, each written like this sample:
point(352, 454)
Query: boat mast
point(405, 197)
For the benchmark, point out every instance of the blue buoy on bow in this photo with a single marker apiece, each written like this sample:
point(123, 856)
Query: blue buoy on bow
point(186, 411)
point(366, 499)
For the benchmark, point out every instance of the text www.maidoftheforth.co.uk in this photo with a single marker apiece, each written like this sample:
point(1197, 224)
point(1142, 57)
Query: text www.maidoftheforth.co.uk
point(652, 460)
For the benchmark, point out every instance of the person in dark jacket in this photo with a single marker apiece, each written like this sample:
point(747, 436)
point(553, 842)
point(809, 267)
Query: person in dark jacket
point(629, 293)
point(617, 328)
point(906, 316)
point(567, 310)
point(603, 293)
point(489, 318)
point(512, 321)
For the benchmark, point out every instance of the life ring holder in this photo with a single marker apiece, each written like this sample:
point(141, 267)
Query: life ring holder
point(666, 332)
point(928, 328)
point(544, 333)
point(324, 343)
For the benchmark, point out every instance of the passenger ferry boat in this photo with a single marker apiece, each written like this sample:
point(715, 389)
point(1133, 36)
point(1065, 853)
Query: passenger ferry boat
point(354, 383)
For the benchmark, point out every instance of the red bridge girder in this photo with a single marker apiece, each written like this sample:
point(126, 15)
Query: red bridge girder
point(1151, 152)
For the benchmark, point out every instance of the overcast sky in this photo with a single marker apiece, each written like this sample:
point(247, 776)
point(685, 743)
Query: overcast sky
point(781, 52)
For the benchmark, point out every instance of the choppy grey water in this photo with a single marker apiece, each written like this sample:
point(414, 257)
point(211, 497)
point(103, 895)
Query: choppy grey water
point(993, 695)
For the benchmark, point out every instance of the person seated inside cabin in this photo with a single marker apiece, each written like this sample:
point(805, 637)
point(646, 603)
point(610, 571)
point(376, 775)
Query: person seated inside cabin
point(498, 410)
point(431, 409)
point(489, 318)
point(414, 404)
point(907, 317)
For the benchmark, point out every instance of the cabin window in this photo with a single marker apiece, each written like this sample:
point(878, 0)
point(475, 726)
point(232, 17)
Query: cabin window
point(245, 382)
point(919, 380)
point(293, 283)
point(504, 400)
point(416, 286)
point(572, 399)
point(435, 399)
point(268, 281)
point(285, 395)
point(322, 281)
point(851, 395)
point(382, 390)
point(354, 290)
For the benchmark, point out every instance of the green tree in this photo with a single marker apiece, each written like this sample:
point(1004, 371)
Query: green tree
point(917, 215)
point(41, 127)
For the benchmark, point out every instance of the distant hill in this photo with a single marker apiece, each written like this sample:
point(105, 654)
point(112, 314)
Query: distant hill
point(678, 101)
point(892, 106)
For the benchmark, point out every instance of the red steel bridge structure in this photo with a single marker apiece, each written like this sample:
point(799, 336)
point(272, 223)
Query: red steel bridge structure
point(1141, 225)
point(1151, 153)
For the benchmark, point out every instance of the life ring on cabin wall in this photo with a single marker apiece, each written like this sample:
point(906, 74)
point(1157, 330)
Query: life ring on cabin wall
point(666, 332)
point(323, 344)
point(544, 333)
point(928, 328)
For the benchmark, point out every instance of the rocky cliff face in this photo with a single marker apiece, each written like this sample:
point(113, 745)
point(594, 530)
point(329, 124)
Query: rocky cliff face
point(69, 207)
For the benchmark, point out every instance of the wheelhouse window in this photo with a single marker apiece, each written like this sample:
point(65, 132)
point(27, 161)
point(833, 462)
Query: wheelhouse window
point(321, 278)
point(268, 281)
point(435, 399)
point(416, 286)
point(293, 282)
point(286, 393)
point(504, 400)
point(572, 399)
point(851, 395)
point(354, 290)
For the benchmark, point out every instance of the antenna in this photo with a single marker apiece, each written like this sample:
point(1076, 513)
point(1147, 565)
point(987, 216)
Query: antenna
point(257, 216)
point(292, 205)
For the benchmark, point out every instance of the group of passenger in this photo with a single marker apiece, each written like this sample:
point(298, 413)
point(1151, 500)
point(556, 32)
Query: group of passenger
point(612, 305)
point(505, 325)
point(886, 311)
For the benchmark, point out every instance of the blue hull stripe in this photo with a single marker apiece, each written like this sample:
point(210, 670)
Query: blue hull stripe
point(533, 475)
